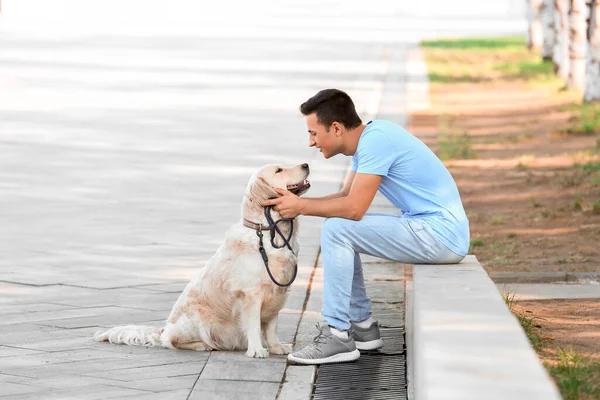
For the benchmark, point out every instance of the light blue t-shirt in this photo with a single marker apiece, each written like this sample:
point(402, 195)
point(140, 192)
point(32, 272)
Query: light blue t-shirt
point(414, 180)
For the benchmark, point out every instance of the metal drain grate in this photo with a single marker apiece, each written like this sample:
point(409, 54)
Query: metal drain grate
point(393, 339)
point(375, 375)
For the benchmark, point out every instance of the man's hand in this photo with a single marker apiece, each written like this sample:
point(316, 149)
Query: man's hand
point(288, 205)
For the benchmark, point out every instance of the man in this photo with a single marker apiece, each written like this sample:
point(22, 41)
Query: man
point(433, 227)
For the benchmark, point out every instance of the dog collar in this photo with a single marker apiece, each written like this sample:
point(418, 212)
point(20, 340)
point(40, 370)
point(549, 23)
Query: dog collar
point(255, 226)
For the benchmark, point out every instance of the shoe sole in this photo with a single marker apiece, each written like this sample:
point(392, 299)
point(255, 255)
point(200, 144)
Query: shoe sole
point(337, 358)
point(371, 345)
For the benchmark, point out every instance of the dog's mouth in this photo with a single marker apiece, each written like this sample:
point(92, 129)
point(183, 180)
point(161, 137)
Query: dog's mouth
point(299, 188)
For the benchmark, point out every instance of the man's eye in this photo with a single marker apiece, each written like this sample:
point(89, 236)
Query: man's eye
point(278, 170)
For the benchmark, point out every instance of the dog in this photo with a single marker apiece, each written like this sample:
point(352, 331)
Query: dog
point(232, 303)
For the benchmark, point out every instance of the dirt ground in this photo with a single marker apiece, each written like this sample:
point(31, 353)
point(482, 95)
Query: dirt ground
point(529, 207)
point(567, 324)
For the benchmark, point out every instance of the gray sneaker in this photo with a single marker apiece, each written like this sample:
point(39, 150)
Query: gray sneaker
point(326, 348)
point(366, 338)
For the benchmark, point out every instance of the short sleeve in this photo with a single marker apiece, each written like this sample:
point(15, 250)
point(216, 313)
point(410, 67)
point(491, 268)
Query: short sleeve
point(375, 154)
point(354, 163)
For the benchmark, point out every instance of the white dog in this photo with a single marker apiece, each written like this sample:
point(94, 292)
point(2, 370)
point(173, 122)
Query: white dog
point(232, 300)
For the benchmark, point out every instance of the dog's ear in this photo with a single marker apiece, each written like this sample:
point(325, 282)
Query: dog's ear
point(260, 190)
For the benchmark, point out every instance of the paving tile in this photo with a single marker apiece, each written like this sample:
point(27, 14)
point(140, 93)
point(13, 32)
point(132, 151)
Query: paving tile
point(17, 389)
point(47, 370)
point(226, 390)
point(158, 384)
point(55, 344)
point(66, 382)
point(234, 370)
point(181, 394)
point(14, 379)
point(95, 392)
point(171, 287)
point(298, 382)
point(15, 351)
point(149, 372)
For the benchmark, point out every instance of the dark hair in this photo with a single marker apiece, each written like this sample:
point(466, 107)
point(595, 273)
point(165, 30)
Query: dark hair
point(332, 105)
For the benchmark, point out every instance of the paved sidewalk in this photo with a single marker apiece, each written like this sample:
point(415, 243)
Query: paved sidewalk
point(549, 291)
point(126, 140)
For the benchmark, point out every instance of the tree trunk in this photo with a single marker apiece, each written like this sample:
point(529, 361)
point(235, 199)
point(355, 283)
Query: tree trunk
point(548, 29)
point(592, 75)
point(577, 44)
point(535, 40)
point(560, 55)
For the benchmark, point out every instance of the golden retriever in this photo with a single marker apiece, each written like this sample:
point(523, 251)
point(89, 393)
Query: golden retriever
point(232, 302)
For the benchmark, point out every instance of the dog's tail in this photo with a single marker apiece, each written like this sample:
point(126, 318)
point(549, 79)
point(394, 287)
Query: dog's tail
point(132, 335)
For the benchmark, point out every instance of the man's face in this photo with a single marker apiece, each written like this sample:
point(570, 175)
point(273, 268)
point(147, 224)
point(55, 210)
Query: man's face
point(320, 137)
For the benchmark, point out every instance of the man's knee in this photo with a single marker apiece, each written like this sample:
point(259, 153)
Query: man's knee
point(334, 227)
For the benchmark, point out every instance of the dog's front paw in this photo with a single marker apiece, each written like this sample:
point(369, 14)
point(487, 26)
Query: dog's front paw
point(258, 353)
point(280, 348)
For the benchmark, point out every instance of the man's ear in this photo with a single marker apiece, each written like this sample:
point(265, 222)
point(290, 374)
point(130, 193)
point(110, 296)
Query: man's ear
point(260, 190)
point(337, 128)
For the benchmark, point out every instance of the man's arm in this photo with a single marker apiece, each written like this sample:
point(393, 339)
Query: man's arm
point(353, 206)
point(343, 193)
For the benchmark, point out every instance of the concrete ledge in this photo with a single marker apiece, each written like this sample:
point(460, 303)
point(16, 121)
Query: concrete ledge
point(466, 344)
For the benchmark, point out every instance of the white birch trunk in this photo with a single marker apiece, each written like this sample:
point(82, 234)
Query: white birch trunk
point(535, 40)
point(577, 45)
point(592, 71)
point(560, 54)
point(548, 29)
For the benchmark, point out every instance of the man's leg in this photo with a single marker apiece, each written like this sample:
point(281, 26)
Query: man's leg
point(344, 296)
point(385, 236)
point(360, 304)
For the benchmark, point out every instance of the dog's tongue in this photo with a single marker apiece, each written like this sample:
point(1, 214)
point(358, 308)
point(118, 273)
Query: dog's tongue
point(297, 187)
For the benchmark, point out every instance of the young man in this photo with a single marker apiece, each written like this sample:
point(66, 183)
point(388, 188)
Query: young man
point(433, 228)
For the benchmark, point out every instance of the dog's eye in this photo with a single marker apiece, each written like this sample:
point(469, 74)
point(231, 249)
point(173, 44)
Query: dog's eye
point(278, 170)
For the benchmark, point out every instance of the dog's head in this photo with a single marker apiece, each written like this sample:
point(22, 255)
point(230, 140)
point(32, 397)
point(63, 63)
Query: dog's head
point(263, 182)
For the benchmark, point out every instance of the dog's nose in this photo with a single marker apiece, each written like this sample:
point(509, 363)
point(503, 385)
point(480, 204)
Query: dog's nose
point(305, 166)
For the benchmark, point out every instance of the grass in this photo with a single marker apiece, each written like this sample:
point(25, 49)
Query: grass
point(591, 172)
point(591, 166)
point(455, 147)
point(596, 207)
point(498, 220)
point(528, 322)
point(475, 243)
point(550, 214)
point(578, 202)
point(528, 69)
point(574, 178)
point(478, 44)
point(587, 120)
point(509, 139)
point(576, 377)
point(486, 60)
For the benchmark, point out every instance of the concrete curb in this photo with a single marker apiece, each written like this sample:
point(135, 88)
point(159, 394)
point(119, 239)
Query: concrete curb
point(466, 343)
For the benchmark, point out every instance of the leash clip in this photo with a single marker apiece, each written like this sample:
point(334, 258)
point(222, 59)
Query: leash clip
point(263, 253)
